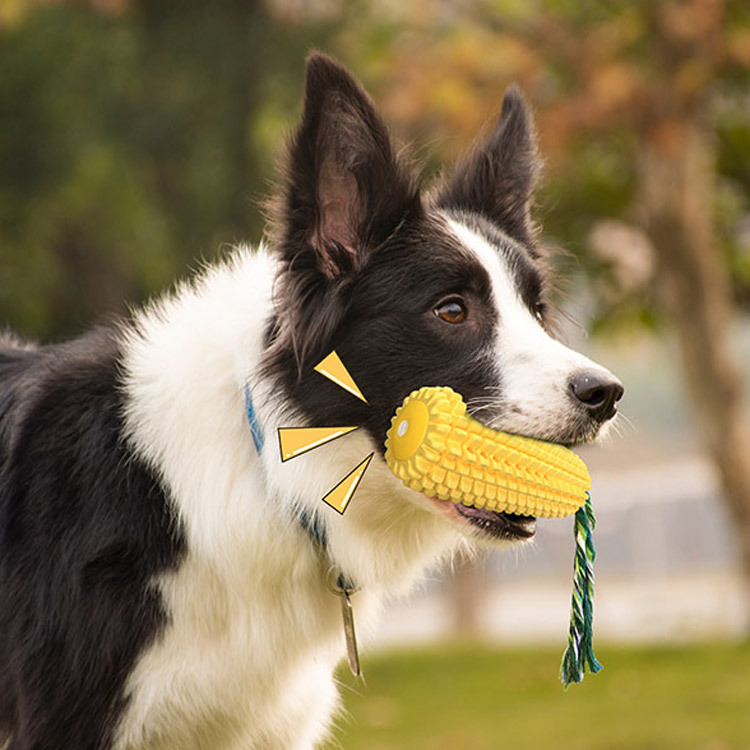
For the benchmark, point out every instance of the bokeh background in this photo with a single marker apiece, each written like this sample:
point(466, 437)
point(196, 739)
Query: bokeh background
point(137, 139)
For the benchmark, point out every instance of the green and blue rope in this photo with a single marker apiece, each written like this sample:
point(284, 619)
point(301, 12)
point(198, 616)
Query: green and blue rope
point(579, 655)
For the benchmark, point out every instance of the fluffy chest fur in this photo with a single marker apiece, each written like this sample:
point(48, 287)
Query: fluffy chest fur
point(254, 633)
point(157, 588)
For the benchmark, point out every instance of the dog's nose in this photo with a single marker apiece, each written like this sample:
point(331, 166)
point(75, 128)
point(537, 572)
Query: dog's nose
point(598, 391)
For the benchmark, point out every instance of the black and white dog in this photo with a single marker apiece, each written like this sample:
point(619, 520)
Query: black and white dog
point(159, 583)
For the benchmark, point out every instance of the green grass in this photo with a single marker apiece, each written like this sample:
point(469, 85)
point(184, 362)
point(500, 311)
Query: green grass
point(478, 698)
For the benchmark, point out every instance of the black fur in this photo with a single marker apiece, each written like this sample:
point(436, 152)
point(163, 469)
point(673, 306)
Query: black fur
point(527, 268)
point(373, 300)
point(390, 337)
point(84, 527)
point(343, 195)
point(497, 178)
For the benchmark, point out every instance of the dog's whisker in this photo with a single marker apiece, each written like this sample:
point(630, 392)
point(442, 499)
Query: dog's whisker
point(210, 566)
point(623, 423)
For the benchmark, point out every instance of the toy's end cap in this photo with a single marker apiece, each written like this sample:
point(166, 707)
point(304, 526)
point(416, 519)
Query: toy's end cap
point(408, 430)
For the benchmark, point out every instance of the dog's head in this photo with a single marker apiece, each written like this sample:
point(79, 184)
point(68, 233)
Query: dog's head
point(415, 290)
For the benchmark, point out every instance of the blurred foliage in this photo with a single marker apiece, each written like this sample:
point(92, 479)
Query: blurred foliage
point(479, 698)
point(136, 137)
point(603, 78)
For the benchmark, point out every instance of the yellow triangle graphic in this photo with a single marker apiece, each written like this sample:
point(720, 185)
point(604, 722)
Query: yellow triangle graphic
point(333, 368)
point(338, 498)
point(293, 441)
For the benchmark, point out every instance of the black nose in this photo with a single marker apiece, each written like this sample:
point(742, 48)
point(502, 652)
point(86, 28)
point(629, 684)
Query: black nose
point(598, 392)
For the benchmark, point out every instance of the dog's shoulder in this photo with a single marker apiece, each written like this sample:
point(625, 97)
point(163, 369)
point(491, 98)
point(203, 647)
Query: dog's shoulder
point(84, 527)
point(39, 385)
point(67, 464)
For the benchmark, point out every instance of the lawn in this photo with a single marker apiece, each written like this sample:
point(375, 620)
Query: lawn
point(478, 698)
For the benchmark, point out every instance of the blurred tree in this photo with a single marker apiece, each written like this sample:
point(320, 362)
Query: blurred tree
point(133, 138)
point(676, 160)
point(638, 107)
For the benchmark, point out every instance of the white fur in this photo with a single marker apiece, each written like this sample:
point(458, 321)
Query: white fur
point(254, 634)
point(246, 660)
point(534, 368)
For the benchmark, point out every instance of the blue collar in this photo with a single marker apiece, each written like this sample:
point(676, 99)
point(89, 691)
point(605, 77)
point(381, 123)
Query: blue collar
point(254, 426)
point(309, 521)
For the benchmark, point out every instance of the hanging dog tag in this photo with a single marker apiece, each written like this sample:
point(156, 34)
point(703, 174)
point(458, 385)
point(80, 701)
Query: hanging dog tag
point(338, 584)
point(347, 612)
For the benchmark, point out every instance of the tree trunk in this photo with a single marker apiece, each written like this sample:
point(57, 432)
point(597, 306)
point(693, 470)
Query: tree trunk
point(467, 595)
point(677, 193)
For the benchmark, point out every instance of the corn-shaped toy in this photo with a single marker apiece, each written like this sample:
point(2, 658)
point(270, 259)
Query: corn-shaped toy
point(436, 448)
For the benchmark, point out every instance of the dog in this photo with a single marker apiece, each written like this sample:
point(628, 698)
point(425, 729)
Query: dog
point(163, 575)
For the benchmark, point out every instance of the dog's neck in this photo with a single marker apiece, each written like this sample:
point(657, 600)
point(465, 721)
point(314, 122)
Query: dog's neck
point(309, 522)
point(187, 361)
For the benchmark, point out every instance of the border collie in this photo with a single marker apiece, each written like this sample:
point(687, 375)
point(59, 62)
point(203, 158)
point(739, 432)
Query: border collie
point(162, 579)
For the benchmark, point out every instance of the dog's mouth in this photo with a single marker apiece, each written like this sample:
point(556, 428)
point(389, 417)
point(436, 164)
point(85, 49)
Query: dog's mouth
point(492, 524)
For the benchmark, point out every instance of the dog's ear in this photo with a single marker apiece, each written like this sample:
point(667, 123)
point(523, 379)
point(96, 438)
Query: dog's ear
point(344, 191)
point(497, 177)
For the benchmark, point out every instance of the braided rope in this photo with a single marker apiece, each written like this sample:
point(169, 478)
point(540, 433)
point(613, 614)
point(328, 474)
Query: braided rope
point(579, 655)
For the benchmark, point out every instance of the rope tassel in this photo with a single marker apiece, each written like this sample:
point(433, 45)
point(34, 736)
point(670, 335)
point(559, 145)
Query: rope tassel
point(579, 655)
point(433, 446)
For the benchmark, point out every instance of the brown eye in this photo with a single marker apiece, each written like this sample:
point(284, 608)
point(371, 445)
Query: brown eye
point(451, 311)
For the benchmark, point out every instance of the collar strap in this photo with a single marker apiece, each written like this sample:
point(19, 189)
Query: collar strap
point(253, 420)
point(310, 522)
point(336, 580)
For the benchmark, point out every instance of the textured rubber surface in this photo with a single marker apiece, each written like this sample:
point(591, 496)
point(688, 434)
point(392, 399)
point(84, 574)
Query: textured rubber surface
point(434, 447)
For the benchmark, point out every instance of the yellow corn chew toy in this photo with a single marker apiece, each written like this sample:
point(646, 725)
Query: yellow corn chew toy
point(434, 447)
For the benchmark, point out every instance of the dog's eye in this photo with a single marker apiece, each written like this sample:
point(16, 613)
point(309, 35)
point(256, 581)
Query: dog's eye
point(539, 311)
point(451, 311)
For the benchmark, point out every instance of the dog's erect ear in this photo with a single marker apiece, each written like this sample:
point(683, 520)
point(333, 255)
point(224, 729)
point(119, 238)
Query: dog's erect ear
point(345, 191)
point(497, 178)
